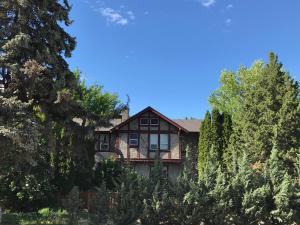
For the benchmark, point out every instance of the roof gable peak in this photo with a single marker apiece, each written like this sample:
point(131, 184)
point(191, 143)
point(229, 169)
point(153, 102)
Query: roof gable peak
point(149, 109)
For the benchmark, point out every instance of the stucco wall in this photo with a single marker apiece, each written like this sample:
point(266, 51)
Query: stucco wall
point(174, 146)
point(123, 144)
point(143, 145)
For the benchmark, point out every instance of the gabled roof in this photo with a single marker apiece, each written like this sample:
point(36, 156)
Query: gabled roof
point(192, 125)
point(149, 108)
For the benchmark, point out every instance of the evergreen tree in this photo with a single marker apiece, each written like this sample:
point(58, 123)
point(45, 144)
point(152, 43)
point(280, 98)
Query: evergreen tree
point(25, 176)
point(204, 143)
point(226, 137)
point(33, 46)
point(226, 130)
point(271, 111)
point(33, 68)
point(188, 198)
point(216, 135)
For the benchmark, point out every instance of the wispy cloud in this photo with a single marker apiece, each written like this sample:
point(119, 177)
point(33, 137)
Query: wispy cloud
point(112, 16)
point(131, 15)
point(207, 3)
point(229, 6)
point(228, 22)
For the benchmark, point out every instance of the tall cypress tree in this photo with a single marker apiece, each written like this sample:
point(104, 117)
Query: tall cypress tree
point(226, 135)
point(204, 143)
point(216, 134)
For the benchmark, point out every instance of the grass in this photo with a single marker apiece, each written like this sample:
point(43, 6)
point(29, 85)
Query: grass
point(43, 216)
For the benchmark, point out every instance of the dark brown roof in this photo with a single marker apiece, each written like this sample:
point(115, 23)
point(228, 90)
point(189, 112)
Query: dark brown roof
point(192, 125)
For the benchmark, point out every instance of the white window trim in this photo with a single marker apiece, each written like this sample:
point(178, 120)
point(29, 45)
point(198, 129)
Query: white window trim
point(154, 124)
point(167, 144)
point(104, 146)
point(134, 140)
point(144, 124)
point(150, 147)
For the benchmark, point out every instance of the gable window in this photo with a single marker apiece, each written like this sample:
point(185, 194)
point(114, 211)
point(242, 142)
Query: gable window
point(164, 142)
point(144, 121)
point(154, 121)
point(153, 142)
point(133, 139)
point(104, 142)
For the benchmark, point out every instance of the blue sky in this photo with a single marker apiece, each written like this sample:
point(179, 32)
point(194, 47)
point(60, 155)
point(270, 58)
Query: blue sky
point(169, 53)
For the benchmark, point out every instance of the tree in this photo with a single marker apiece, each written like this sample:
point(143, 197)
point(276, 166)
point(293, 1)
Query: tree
point(123, 204)
point(227, 158)
point(229, 97)
point(33, 44)
point(188, 197)
point(216, 135)
point(109, 172)
point(25, 176)
point(204, 143)
point(263, 102)
point(103, 104)
point(33, 68)
point(271, 113)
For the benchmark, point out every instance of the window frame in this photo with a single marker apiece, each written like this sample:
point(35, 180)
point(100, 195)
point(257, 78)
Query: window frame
point(167, 144)
point(150, 145)
point(133, 139)
point(101, 144)
point(154, 124)
point(144, 124)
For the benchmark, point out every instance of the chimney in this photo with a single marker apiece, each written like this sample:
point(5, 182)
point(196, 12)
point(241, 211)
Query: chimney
point(125, 113)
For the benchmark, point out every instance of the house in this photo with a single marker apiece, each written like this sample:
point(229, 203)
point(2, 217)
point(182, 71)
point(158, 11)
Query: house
point(138, 139)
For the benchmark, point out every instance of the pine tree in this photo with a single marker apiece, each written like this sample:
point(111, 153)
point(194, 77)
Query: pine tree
point(283, 189)
point(271, 111)
point(204, 143)
point(33, 45)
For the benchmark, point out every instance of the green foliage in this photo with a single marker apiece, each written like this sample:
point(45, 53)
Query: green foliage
point(204, 143)
point(108, 171)
point(123, 204)
point(43, 216)
point(229, 97)
point(72, 204)
point(94, 100)
point(260, 182)
point(25, 178)
point(215, 133)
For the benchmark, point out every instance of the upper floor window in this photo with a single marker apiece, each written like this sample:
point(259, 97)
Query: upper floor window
point(153, 142)
point(104, 142)
point(144, 121)
point(154, 121)
point(149, 121)
point(133, 139)
point(164, 142)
